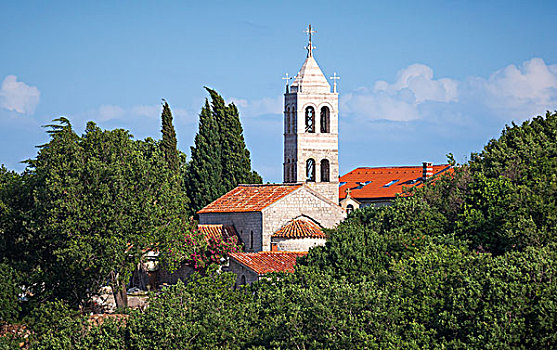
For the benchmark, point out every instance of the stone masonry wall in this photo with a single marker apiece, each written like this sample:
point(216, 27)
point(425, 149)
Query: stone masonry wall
point(240, 270)
point(301, 202)
point(247, 225)
point(297, 244)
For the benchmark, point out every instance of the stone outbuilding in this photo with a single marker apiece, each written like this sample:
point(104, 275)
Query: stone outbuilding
point(251, 267)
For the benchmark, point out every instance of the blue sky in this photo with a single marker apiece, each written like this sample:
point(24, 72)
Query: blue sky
point(418, 79)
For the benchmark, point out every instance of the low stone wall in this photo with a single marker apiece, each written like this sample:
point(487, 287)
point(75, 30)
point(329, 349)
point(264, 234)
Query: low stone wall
point(297, 244)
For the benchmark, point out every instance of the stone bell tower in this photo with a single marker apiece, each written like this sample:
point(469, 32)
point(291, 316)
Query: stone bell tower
point(311, 129)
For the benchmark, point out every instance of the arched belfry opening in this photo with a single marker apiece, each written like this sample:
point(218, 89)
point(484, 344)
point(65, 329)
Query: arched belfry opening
point(325, 171)
point(310, 170)
point(325, 120)
point(310, 119)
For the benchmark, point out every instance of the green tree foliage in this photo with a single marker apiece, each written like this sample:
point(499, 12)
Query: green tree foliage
point(168, 142)
point(512, 199)
point(102, 199)
point(183, 317)
point(15, 206)
point(9, 292)
point(219, 159)
point(203, 176)
point(441, 297)
point(466, 262)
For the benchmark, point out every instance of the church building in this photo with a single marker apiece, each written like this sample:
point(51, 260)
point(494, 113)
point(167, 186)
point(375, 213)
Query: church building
point(278, 221)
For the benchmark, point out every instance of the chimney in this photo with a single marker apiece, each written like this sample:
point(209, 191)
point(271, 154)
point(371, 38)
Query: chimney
point(427, 171)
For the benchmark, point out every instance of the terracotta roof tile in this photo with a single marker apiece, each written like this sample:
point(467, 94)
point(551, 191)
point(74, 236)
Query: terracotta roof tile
point(249, 198)
point(375, 183)
point(300, 228)
point(265, 262)
point(218, 231)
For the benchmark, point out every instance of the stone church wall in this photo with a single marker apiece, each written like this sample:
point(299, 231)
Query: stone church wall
point(247, 225)
point(300, 203)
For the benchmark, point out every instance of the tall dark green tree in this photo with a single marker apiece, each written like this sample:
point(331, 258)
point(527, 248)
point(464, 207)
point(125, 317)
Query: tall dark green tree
point(203, 176)
point(169, 143)
point(235, 157)
point(219, 159)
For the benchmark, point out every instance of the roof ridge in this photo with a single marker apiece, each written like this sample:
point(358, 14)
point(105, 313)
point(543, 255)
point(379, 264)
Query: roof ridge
point(250, 198)
point(269, 252)
point(264, 185)
point(397, 166)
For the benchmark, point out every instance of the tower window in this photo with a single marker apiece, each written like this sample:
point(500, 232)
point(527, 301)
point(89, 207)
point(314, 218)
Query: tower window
point(310, 170)
point(287, 171)
point(325, 171)
point(349, 208)
point(325, 120)
point(310, 119)
point(287, 121)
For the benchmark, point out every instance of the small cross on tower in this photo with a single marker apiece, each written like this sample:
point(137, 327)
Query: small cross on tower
point(335, 77)
point(287, 78)
point(310, 48)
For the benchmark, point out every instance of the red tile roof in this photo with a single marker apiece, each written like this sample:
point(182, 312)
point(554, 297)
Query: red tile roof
point(373, 183)
point(249, 198)
point(300, 228)
point(265, 262)
point(217, 231)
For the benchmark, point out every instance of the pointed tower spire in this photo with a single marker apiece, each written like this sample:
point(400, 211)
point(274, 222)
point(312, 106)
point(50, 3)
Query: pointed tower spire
point(310, 78)
point(310, 48)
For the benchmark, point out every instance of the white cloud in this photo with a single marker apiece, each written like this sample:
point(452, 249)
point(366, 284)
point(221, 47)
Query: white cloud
point(258, 107)
point(400, 101)
point(18, 96)
point(518, 92)
point(152, 111)
point(509, 93)
point(532, 81)
point(109, 112)
point(134, 114)
point(418, 78)
point(239, 102)
point(373, 105)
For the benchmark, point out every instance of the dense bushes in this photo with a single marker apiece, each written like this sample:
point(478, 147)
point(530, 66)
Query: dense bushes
point(442, 297)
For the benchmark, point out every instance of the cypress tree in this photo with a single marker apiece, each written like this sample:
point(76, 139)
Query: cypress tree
point(219, 160)
point(236, 163)
point(169, 143)
point(203, 176)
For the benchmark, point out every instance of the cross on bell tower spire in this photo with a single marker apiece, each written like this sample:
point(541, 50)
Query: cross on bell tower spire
point(334, 78)
point(310, 48)
point(287, 78)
